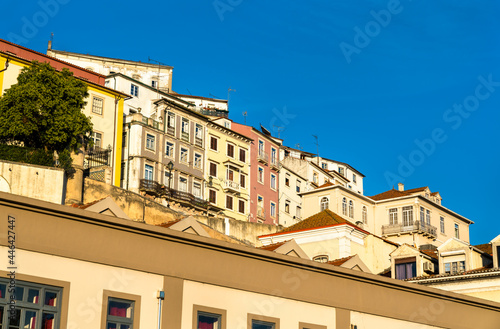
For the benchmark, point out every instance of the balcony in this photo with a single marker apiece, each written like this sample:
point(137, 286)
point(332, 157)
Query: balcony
point(230, 185)
point(198, 142)
point(185, 197)
point(275, 164)
point(261, 213)
point(151, 187)
point(185, 136)
point(171, 131)
point(417, 227)
point(263, 157)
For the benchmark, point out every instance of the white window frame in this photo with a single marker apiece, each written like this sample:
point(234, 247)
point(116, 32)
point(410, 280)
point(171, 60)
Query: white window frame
point(183, 183)
point(260, 178)
point(146, 171)
point(273, 181)
point(96, 108)
point(324, 203)
point(198, 160)
point(273, 209)
point(182, 158)
point(134, 90)
point(172, 149)
point(150, 142)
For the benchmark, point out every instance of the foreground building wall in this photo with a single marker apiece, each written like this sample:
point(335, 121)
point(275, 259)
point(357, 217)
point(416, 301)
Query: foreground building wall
point(202, 274)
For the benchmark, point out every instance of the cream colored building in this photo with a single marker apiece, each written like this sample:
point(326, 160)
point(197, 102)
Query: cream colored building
point(94, 276)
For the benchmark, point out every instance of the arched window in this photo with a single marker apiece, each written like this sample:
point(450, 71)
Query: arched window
point(321, 258)
point(365, 219)
point(324, 203)
point(344, 207)
point(351, 209)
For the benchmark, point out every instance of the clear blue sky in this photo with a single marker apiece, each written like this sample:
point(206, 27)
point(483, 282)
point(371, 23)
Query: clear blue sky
point(369, 78)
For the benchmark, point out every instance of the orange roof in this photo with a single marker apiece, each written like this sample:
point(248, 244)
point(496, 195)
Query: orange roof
point(434, 193)
point(274, 246)
point(168, 224)
point(324, 218)
point(340, 261)
point(326, 184)
point(391, 194)
point(486, 247)
point(430, 253)
point(418, 189)
point(86, 205)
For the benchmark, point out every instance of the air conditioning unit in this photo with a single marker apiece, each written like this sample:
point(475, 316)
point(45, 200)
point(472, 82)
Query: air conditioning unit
point(429, 267)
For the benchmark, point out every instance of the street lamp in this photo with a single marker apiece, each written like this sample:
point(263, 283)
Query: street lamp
point(170, 166)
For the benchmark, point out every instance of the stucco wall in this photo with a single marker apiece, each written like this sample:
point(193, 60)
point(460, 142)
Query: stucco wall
point(32, 181)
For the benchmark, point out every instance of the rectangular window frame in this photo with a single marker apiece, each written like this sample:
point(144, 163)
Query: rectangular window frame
point(134, 90)
point(96, 107)
point(198, 161)
point(184, 156)
point(273, 209)
point(214, 143)
point(230, 147)
point(150, 142)
point(170, 151)
point(257, 318)
point(201, 309)
point(136, 299)
point(242, 155)
point(273, 181)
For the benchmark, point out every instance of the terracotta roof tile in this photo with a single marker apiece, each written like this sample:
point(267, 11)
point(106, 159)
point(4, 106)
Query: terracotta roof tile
point(324, 218)
point(326, 184)
point(434, 193)
point(418, 189)
point(431, 253)
point(391, 194)
point(86, 205)
point(486, 247)
point(274, 246)
point(455, 275)
point(340, 261)
point(168, 224)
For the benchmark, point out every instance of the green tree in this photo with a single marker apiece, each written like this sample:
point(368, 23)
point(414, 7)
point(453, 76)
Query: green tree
point(44, 110)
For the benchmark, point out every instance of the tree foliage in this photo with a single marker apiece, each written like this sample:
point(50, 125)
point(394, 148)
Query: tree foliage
point(44, 109)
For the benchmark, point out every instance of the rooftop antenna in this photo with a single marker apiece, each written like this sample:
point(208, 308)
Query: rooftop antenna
point(298, 147)
point(279, 129)
point(229, 94)
point(189, 92)
point(245, 114)
point(158, 81)
point(212, 95)
point(317, 148)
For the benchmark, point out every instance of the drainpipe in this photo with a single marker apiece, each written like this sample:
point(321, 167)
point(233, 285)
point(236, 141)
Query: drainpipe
point(161, 297)
point(128, 154)
point(117, 99)
point(6, 65)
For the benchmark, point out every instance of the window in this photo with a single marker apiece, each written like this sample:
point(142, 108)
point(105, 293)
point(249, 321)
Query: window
point(428, 217)
point(261, 147)
point(36, 305)
point(297, 187)
point(287, 180)
point(229, 202)
point(393, 216)
point(185, 129)
point(257, 324)
point(213, 169)
point(354, 178)
point(150, 142)
point(299, 212)
point(351, 209)
point(406, 270)
point(422, 216)
point(287, 206)
point(183, 184)
point(169, 149)
point(260, 177)
point(134, 90)
point(273, 181)
point(364, 215)
point(315, 178)
point(243, 155)
point(184, 155)
point(454, 267)
point(213, 143)
point(241, 206)
point(273, 209)
point(166, 178)
point(457, 233)
point(230, 150)
point(441, 224)
point(120, 313)
point(154, 83)
point(197, 189)
point(324, 165)
point(344, 207)
point(148, 172)
point(408, 216)
point(243, 181)
point(171, 120)
point(230, 174)
point(321, 258)
point(97, 139)
point(324, 203)
point(197, 161)
point(212, 196)
point(207, 320)
point(198, 131)
point(97, 104)
point(341, 171)
point(274, 160)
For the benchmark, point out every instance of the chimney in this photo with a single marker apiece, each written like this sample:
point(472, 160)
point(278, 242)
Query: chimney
point(401, 187)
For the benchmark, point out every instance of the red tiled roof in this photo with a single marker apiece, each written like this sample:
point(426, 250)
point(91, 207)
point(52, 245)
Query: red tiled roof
point(391, 194)
point(326, 184)
point(430, 253)
point(168, 224)
point(418, 189)
point(274, 246)
point(486, 247)
point(456, 275)
point(86, 205)
point(324, 218)
point(434, 193)
point(340, 261)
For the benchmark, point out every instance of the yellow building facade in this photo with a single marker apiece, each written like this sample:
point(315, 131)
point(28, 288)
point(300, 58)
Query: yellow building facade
point(104, 106)
point(227, 170)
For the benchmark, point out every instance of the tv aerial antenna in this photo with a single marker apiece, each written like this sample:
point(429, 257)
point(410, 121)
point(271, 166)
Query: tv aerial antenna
point(245, 114)
point(279, 129)
point(317, 147)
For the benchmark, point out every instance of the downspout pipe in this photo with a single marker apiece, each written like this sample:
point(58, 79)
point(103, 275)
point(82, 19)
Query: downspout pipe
point(6, 65)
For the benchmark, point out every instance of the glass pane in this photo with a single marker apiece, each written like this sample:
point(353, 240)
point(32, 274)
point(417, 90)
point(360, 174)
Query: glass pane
point(50, 298)
point(30, 320)
point(19, 293)
point(121, 309)
point(112, 326)
point(48, 321)
point(14, 321)
point(33, 295)
point(124, 326)
point(2, 290)
point(262, 325)
point(208, 321)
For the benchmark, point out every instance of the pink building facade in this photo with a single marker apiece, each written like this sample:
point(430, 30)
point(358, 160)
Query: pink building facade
point(264, 179)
